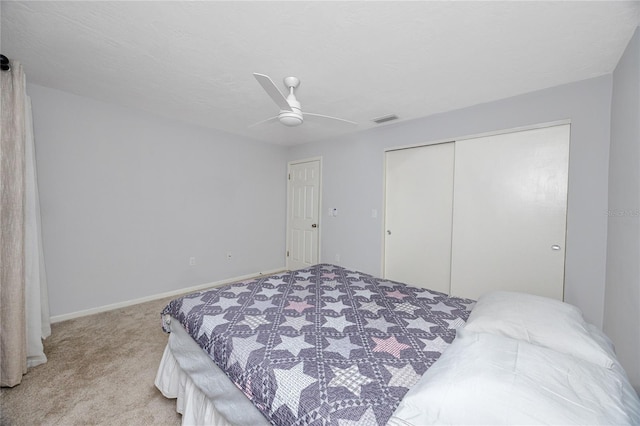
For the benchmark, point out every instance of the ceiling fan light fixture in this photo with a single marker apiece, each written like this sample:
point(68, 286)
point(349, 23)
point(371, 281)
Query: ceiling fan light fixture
point(290, 118)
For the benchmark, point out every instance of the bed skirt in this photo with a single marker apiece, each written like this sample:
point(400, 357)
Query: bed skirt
point(194, 406)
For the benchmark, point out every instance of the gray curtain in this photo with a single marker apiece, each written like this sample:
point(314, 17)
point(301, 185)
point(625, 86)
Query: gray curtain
point(24, 308)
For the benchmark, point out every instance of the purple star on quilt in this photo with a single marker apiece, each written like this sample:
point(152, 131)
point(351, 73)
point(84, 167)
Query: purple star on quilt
point(396, 294)
point(298, 306)
point(390, 346)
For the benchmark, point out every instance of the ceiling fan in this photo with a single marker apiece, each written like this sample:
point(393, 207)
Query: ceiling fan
point(290, 110)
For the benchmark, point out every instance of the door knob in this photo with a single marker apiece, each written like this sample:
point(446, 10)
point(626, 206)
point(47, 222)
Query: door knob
point(388, 232)
point(314, 225)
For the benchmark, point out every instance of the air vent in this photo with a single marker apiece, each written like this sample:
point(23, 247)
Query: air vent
point(385, 118)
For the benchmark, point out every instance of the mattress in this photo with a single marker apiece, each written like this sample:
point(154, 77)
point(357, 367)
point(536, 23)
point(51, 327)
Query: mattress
point(322, 345)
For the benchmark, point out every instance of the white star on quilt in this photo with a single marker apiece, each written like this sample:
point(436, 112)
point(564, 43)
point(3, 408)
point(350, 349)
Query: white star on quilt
point(209, 322)
point(300, 293)
point(290, 383)
point(189, 304)
point(225, 303)
point(338, 306)
point(242, 348)
point(339, 323)
point(341, 345)
point(254, 321)
point(379, 323)
point(350, 378)
point(275, 281)
point(236, 290)
point(360, 284)
point(441, 307)
point(269, 292)
point(334, 293)
point(454, 323)
point(262, 305)
point(435, 345)
point(296, 322)
point(404, 377)
point(353, 275)
point(419, 323)
point(366, 293)
point(385, 283)
point(293, 344)
point(304, 275)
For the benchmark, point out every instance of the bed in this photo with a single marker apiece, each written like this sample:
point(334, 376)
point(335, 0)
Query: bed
point(328, 345)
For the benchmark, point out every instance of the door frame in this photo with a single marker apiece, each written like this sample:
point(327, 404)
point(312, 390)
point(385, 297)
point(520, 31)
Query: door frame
point(287, 224)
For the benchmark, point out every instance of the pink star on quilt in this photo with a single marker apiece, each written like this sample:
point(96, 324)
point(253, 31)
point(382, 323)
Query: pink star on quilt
point(298, 306)
point(396, 294)
point(390, 346)
point(329, 275)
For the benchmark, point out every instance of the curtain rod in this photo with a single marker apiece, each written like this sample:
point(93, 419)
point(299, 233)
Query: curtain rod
point(4, 63)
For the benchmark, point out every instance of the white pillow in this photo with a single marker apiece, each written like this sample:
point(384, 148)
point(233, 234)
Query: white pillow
point(495, 380)
point(539, 320)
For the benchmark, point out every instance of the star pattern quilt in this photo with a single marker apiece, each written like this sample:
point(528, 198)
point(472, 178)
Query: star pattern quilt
point(323, 345)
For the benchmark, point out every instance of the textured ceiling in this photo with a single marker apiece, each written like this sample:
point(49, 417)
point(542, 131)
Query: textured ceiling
point(193, 61)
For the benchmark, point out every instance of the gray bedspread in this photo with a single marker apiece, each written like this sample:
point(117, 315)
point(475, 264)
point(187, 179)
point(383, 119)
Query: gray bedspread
point(323, 345)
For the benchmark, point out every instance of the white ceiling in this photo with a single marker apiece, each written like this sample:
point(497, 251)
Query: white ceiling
point(193, 61)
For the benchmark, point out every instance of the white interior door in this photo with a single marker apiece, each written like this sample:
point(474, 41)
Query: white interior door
point(303, 214)
point(418, 200)
point(509, 214)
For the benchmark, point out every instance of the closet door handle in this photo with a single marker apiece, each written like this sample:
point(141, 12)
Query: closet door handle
point(555, 247)
point(388, 232)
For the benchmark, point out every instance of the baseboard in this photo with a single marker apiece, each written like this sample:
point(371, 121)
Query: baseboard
point(105, 308)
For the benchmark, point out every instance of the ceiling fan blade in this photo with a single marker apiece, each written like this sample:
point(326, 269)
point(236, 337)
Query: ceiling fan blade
point(272, 90)
point(330, 118)
point(264, 121)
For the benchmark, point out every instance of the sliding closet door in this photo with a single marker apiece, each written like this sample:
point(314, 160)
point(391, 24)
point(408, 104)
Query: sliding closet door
point(510, 202)
point(418, 198)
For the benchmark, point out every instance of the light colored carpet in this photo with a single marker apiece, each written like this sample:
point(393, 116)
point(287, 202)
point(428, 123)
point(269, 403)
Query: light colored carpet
point(100, 371)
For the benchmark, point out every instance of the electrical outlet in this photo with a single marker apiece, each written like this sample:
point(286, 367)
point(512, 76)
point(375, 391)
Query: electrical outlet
point(337, 258)
point(192, 261)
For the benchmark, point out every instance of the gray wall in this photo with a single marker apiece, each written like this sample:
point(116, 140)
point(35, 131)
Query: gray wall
point(622, 301)
point(353, 178)
point(127, 198)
